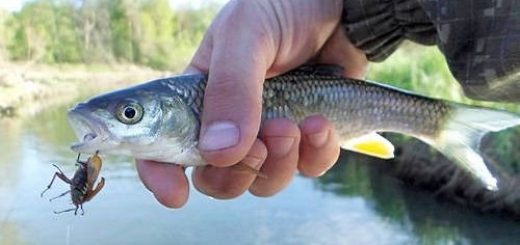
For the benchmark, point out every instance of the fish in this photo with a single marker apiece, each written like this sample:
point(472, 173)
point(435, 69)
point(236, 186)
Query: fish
point(160, 119)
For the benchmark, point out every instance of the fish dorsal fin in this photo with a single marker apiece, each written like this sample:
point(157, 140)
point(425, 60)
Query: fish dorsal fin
point(371, 144)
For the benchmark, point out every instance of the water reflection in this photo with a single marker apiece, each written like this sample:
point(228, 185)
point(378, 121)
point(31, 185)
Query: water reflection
point(358, 202)
point(432, 220)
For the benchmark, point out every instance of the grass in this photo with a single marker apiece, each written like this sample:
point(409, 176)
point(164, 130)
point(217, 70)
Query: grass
point(418, 68)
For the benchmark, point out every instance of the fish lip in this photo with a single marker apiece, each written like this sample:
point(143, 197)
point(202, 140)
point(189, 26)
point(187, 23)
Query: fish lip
point(83, 124)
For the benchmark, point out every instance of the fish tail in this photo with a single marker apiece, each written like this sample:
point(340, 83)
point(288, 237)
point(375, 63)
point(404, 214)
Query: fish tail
point(461, 135)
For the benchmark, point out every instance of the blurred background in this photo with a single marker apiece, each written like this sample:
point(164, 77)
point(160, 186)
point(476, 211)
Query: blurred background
point(54, 53)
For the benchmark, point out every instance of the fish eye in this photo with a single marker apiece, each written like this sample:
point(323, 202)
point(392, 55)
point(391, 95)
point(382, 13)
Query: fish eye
point(130, 113)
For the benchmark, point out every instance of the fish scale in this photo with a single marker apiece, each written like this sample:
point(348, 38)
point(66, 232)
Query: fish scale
point(364, 106)
point(353, 106)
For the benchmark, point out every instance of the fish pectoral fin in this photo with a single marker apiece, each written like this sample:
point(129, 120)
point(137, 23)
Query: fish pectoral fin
point(371, 144)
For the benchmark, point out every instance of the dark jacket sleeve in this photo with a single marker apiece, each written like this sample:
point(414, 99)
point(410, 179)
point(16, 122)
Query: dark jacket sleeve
point(480, 39)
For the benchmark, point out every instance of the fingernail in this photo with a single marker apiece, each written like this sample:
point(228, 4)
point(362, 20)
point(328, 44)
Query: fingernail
point(280, 146)
point(219, 135)
point(318, 139)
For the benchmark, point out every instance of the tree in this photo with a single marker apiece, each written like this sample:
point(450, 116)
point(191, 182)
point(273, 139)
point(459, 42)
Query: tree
point(155, 37)
point(44, 30)
point(146, 32)
point(122, 23)
point(93, 23)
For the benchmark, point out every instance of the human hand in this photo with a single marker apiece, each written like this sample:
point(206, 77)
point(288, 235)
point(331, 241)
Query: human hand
point(247, 42)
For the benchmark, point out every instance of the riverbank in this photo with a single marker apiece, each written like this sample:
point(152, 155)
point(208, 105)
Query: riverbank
point(27, 89)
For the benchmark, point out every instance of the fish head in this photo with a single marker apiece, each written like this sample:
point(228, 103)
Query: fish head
point(142, 121)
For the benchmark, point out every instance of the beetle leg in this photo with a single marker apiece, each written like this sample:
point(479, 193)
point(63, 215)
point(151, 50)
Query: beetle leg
point(62, 194)
point(92, 193)
point(56, 166)
point(64, 211)
point(60, 175)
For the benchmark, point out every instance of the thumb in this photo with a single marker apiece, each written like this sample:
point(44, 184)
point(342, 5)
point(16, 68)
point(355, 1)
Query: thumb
point(233, 97)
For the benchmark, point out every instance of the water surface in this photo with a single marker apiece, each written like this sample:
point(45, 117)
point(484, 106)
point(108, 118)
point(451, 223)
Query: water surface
point(357, 202)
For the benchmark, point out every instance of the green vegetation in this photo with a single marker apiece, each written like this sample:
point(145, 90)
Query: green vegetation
point(424, 70)
point(418, 68)
point(57, 49)
point(145, 32)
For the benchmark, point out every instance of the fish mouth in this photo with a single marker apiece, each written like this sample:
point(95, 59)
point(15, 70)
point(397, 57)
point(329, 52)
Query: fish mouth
point(92, 135)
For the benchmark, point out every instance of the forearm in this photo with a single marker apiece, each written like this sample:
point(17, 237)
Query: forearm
point(479, 39)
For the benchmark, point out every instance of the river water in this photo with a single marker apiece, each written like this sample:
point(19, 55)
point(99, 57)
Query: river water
point(357, 202)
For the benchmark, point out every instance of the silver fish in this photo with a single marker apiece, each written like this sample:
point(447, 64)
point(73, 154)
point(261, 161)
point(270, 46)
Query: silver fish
point(159, 120)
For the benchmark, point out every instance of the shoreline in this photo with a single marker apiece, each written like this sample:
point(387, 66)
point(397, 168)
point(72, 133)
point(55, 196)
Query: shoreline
point(27, 89)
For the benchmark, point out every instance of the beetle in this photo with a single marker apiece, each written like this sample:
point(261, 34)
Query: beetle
point(82, 183)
